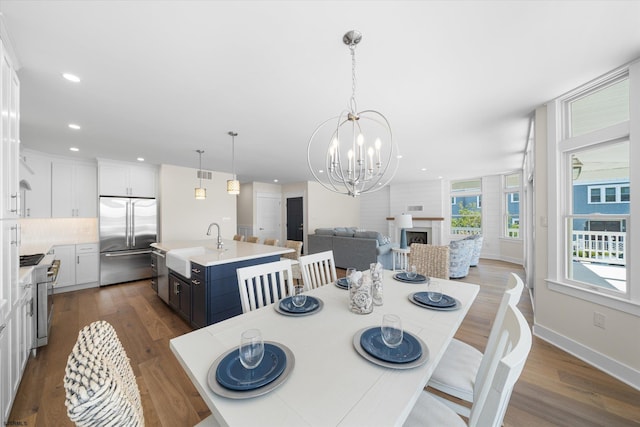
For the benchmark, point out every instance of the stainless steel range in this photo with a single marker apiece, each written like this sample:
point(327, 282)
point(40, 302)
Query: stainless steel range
point(45, 273)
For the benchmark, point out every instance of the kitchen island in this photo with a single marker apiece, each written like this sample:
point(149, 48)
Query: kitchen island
point(203, 285)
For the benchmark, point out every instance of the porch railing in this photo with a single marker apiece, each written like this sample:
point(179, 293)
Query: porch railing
point(600, 246)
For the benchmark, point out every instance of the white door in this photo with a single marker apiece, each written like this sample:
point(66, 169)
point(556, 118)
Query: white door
point(269, 214)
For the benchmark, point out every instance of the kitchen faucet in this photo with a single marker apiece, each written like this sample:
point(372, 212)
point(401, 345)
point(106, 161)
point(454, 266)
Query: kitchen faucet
point(209, 233)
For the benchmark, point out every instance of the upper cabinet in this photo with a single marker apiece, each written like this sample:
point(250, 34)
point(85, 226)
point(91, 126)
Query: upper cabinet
point(128, 180)
point(9, 136)
point(73, 189)
point(35, 185)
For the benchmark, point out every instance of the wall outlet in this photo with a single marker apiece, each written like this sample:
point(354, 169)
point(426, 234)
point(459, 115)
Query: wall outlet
point(598, 319)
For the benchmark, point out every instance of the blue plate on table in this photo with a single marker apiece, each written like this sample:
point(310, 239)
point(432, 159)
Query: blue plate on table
point(403, 278)
point(445, 302)
point(342, 283)
point(232, 375)
point(311, 304)
point(434, 306)
point(409, 349)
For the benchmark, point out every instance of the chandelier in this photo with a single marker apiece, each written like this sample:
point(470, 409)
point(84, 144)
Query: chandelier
point(353, 153)
point(233, 185)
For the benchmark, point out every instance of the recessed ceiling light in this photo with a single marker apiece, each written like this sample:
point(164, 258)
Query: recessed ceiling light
point(423, 169)
point(275, 180)
point(71, 77)
point(141, 159)
point(321, 171)
point(74, 149)
point(74, 126)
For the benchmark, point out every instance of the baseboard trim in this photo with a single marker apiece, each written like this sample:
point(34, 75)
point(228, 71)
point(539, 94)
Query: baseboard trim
point(598, 360)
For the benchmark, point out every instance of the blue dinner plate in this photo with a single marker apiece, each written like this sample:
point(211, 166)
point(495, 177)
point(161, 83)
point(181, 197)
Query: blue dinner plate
point(445, 302)
point(403, 278)
point(311, 304)
point(408, 350)
point(343, 283)
point(232, 375)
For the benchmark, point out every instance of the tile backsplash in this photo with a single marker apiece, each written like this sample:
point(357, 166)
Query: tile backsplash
point(58, 231)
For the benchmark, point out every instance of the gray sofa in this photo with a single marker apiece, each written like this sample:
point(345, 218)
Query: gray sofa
point(352, 248)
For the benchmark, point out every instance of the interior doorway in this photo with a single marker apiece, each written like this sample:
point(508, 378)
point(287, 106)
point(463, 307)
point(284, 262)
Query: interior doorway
point(295, 219)
point(269, 216)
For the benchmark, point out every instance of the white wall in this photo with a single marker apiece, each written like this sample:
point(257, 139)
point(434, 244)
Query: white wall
point(182, 217)
point(329, 209)
point(374, 210)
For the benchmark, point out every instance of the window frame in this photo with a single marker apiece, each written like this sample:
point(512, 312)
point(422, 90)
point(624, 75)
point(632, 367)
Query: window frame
point(560, 149)
point(506, 198)
point(459, 194)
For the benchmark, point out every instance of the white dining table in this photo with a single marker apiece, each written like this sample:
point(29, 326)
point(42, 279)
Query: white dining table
point(330, 384)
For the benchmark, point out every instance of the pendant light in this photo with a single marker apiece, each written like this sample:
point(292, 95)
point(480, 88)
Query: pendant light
point(233, 185)
point(200, 192)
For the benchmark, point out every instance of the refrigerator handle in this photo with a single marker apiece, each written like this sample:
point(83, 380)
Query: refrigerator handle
point(133, 224)
point(126, 224)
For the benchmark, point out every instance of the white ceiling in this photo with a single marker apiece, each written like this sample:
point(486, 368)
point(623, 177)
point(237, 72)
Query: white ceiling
point(458, 80)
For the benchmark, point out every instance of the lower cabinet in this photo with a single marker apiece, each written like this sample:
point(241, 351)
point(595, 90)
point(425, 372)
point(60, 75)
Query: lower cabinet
point(211, 294)
point(180, 295)
point(6, 395)
point(79, 264)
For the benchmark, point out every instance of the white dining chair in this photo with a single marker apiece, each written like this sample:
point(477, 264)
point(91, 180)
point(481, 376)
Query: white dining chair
point(463, 366)
point(264, 284)
point(492, 395)
point(318, 269)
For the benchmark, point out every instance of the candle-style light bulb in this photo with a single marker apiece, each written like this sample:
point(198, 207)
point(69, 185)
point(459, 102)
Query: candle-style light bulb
point(378, 144)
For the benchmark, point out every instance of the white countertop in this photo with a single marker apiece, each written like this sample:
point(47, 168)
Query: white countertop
point(233, 251)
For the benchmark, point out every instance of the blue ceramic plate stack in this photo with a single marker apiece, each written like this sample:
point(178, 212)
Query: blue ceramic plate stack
point(446, 303)
point(312, 305)
point(411, 352)
point(402, 277)
point(227, 377)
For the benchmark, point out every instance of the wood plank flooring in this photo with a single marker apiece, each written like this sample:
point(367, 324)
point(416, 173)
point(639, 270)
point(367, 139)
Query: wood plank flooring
point(555, 389)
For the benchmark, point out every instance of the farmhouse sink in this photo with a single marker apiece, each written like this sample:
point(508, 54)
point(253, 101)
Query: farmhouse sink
point(178, 259)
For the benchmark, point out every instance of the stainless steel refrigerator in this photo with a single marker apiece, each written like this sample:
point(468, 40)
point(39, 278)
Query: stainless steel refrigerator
point(128, 226)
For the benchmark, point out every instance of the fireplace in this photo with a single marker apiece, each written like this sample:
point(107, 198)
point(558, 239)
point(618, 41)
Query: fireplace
point(418, 235)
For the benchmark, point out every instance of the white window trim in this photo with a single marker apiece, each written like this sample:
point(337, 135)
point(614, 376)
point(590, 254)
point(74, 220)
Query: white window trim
point(507, 193)
point(558, 152)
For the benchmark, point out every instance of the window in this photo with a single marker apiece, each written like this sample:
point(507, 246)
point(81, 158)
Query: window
point(511, 206)
point(589, 252)
point(605, 106)
point(466, 207)
point(609, 193)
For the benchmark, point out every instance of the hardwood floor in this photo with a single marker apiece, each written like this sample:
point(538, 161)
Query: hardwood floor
point(555, 388)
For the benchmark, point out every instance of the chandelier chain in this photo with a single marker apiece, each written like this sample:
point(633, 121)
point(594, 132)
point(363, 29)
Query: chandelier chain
point(354, 107)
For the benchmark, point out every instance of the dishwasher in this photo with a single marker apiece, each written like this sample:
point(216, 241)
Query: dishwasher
point(160, 280)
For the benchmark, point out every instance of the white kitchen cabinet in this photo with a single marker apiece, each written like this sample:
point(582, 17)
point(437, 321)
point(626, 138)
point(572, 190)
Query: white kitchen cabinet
point(79, 264)
point(128, 180)
point(87, 263)
point(10, 261)
point(67, 272)
point(73, 190)
point(9, 136)
point(6, 396)
point(36, 171)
